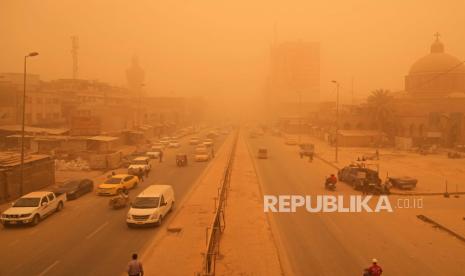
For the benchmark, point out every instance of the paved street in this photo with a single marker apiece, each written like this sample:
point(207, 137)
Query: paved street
point(344, 243)
point(87, 237)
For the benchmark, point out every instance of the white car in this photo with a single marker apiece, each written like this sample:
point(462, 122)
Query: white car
point(164, 142)
point(194, 141)
point(32, 208)
point(202, 154)
point(157, 146)
point(142, 162)
point(151, 206)
point(174, 144)
point(153, 154)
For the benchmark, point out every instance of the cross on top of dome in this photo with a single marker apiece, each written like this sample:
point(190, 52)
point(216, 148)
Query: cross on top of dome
point(437, 46)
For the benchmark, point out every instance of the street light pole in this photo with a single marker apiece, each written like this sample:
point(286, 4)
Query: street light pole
point(300, 116)
point(21, 173)
point(337, 120)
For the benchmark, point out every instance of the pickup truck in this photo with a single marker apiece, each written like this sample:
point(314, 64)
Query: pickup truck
point(32, 208)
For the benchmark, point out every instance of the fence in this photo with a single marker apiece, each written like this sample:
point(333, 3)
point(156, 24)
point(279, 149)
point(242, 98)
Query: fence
point(213, 233)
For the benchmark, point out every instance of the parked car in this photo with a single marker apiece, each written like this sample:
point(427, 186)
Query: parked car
point(151, 206)
point(403, 182)
point(114, 184)
point(357, 176)
point(262, 153)
point(32, 208)
point(75, 188)
point(139, 163)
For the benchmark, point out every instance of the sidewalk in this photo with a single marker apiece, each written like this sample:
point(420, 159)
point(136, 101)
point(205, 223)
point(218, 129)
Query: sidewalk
point(432, 170)
point(178, 248)
point(247, 246)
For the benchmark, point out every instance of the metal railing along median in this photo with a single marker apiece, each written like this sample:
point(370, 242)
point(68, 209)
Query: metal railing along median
point(213, 233)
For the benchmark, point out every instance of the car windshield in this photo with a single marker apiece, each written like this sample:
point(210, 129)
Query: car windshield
point(146, 202)
point(27, 202)
point(113, 180)
point(70, 184)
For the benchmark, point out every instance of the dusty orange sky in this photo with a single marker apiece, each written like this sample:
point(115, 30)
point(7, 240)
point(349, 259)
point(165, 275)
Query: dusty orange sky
point(218, 47)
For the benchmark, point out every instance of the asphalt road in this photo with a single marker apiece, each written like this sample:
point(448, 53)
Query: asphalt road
point(87, 237)
point(345, 243)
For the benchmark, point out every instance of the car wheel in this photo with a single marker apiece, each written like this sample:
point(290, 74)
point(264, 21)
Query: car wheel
point(160, 219)
point(35, 220)
point(172, 206)
point(59, 207)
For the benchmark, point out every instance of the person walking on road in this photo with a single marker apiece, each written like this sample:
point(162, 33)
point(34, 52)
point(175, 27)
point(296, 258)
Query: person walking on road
point(161, 156)
point(140, 174)
point(135, 267)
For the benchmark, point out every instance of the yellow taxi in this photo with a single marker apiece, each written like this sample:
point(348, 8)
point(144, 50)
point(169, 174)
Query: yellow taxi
point(116, 183)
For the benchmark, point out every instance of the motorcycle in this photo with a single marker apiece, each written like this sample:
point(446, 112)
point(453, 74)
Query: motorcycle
point(330, 185)
point(119, 202)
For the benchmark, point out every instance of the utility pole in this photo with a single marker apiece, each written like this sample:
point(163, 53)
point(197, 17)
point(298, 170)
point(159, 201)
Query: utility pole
point(21, 169)
point(300, 115)
point(337, 120)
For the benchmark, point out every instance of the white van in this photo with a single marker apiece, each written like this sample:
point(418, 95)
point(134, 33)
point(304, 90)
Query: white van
point(151, 206)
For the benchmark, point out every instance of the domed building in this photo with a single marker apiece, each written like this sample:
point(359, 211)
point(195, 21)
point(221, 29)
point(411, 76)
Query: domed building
point(436, 75)
point(432, 107)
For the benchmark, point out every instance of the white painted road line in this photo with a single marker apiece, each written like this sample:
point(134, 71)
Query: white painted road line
point(97, 230)
point(48, 268)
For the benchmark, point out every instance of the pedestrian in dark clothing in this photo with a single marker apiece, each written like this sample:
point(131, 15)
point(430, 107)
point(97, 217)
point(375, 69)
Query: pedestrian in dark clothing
point(140, 174)
point(135, 267)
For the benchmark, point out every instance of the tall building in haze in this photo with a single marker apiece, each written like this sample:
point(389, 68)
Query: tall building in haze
point(294, 76)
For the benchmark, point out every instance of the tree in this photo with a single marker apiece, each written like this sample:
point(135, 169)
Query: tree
point(380, 103)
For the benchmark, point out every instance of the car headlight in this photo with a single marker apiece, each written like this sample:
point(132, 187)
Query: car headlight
point(25, 215)
point(129, 216)
point(154, 215)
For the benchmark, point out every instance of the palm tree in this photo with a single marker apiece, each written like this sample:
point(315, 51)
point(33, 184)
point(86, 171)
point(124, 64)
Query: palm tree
point(380, 103)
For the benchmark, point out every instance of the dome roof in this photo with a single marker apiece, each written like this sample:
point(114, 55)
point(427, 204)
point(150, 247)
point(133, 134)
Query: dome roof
point(437, 62)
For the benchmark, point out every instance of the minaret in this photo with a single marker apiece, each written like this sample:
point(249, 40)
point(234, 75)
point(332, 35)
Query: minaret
point(135, 77)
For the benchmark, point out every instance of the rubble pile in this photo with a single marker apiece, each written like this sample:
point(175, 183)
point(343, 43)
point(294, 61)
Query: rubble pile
point(73, 165)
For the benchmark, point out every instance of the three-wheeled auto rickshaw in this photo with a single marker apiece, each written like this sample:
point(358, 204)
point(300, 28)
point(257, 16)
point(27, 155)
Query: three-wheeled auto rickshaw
point(181, 159)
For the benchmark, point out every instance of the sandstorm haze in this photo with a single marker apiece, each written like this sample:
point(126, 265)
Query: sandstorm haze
point(220, 49)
